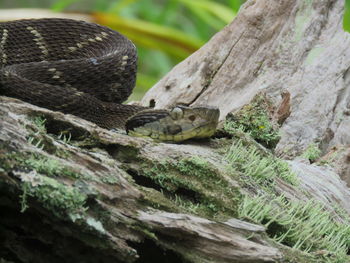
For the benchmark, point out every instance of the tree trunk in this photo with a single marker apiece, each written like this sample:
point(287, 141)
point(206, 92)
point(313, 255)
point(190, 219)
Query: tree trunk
point(73, 192)
point(274, 46)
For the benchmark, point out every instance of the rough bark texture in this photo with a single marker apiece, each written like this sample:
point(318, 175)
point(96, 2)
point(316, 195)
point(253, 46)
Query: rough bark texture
point(126, 218)
point(120, 215)
point(73, 192)
point(297, 46)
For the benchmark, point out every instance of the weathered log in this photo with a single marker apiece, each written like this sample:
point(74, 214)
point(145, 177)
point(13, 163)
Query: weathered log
point(73, 192)
point(275, 46)
point(95, 176)
point(102, 195)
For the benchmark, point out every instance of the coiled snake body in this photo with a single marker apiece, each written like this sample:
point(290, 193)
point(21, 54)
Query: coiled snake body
point(87, 70)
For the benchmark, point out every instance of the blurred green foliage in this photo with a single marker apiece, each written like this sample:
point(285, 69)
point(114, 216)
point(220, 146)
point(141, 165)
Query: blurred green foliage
point(346, 20)
point(164, 31)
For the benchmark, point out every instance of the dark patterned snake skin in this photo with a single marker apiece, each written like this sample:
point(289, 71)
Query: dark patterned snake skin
point(84, 69)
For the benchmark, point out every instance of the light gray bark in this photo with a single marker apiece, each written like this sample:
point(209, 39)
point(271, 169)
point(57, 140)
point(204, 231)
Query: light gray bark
point(273, 45)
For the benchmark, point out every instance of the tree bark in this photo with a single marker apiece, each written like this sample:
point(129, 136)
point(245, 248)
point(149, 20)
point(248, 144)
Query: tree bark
point(297, 46)
point(73, 192)
point(108, 172)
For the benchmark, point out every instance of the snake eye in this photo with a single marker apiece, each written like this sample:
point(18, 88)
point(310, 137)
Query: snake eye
point(176, 113)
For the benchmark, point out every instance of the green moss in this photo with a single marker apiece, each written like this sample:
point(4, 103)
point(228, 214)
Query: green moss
point(7, 159)
point(88, 142)
point(158, 200)
point(34, 140)
point(110, 179)
point(305, 226)
point(146, 232)
point(296, 256)
point(39, 137)
point(65, 137)
point(254, 119)
point(50, 167)
point(39, 122)
point(40, 163)
point(58, 198)
point(125, 153)
point(191, 185)
point(312, 152)
point(263, 169)
point(194, 166)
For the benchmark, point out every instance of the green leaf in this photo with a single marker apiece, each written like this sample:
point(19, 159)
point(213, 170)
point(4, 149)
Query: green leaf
point(151, 35)
point(208, 18)
point(62, 4)
point(222, 12)
point(346, 19)
point(235, 4)
point(117, 6)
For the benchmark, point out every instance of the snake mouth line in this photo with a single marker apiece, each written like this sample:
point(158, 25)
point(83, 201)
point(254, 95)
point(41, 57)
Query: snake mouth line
point(204, 130)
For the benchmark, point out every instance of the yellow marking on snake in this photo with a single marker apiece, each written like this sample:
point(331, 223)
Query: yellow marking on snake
point(88, 41)
point(2, 46)
point(124, 63)
point(56, 74)
point(102, 35)
point(82, 44)
point(72, 49)
point(39, 40)
point(4, 58)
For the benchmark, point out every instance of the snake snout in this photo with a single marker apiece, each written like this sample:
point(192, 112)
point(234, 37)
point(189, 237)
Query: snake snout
point(213, 114)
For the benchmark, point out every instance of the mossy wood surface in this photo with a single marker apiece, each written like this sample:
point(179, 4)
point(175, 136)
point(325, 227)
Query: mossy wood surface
point(73, 192)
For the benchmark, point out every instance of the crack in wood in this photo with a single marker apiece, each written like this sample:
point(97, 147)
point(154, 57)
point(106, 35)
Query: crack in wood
point(212, 76)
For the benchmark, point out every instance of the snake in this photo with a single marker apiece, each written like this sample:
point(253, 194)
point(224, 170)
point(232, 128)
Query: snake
point(88, 70)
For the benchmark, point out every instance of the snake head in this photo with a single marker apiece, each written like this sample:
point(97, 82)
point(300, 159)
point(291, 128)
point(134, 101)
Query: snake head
point(177, 124)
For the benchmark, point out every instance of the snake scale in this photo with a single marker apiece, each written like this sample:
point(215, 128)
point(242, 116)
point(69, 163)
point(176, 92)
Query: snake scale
point(88, 70)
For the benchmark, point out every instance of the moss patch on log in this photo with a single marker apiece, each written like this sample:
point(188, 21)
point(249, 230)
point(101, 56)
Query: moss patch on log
point(191, 184)
point(255, 119)
point(60, 199)
point(303, 226)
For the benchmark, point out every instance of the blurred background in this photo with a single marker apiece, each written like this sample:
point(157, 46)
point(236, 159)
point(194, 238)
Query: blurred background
point(164, 31)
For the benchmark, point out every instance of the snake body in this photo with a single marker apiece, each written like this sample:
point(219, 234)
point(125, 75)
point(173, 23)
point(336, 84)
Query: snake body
point(75, 67)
